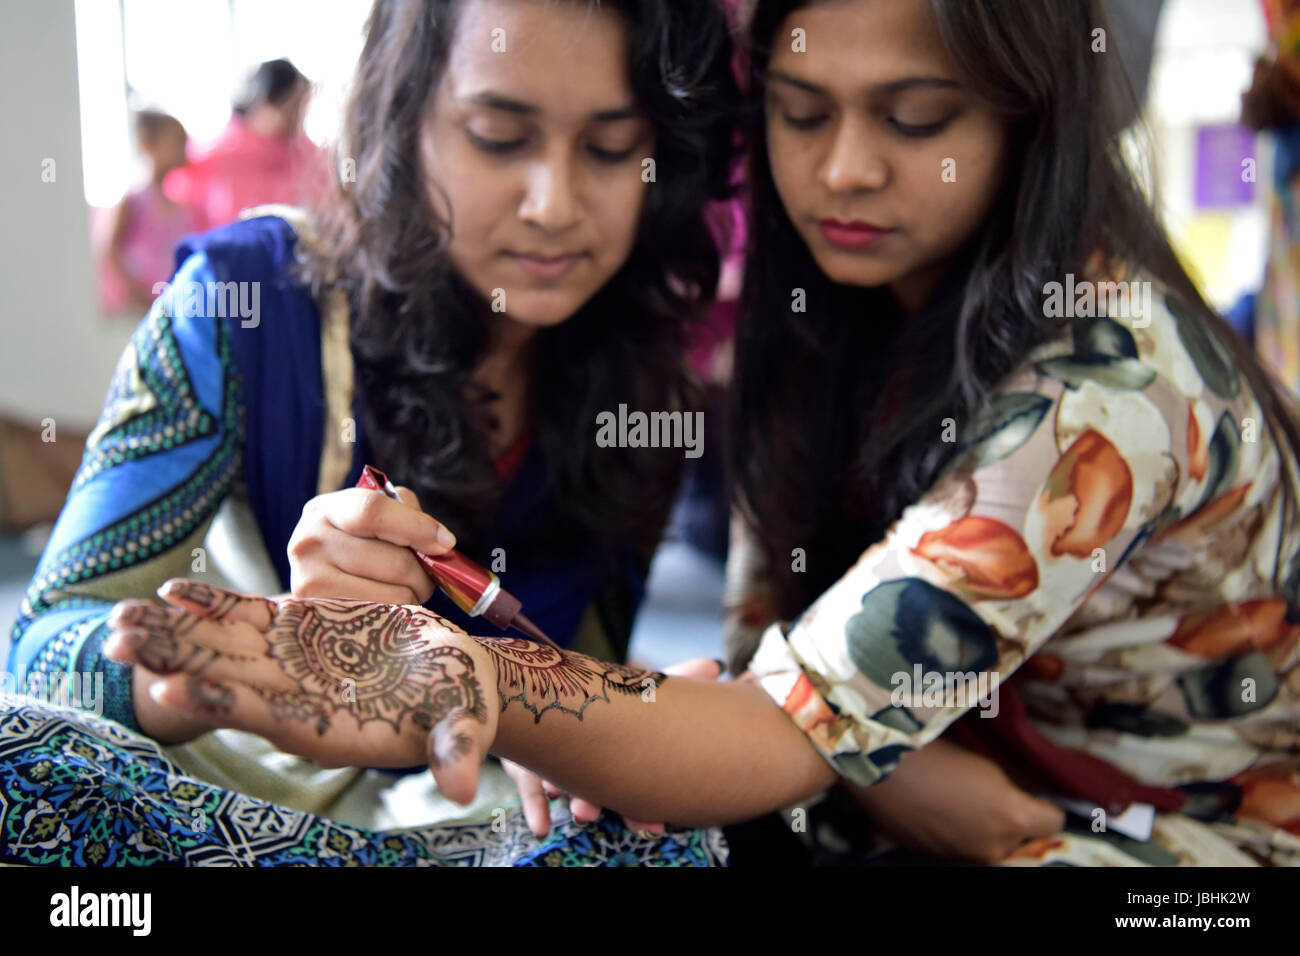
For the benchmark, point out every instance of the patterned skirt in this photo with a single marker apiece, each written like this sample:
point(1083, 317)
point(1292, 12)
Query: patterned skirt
point(80, 790)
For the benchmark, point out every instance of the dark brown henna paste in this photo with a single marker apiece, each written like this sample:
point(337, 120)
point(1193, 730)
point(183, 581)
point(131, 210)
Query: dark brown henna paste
point(368, 660)
point(162, 653)
point(215, 603)
point(543, 678)
point(211, 698)
point(157, 617)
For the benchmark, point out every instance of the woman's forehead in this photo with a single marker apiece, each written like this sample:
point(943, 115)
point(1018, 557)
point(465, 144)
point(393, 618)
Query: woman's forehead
point(565, 58)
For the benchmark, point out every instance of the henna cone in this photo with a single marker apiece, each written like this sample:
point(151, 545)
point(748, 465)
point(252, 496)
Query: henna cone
point(473, 588)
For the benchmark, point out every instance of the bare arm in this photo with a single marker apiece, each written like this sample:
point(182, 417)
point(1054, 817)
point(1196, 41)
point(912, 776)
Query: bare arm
point(692, 752)
point(357, 683)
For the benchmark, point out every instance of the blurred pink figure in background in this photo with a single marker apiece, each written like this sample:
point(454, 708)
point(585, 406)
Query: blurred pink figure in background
point(138, 235)
point(262, 156)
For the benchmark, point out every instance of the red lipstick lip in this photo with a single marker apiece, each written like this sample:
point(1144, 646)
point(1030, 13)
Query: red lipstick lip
point(851, 235)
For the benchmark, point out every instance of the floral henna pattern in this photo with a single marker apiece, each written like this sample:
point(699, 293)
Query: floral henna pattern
point(367, 660)
point(543, 678)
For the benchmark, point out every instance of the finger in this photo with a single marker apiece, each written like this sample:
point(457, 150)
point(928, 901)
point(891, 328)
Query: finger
point(162, 652)
point(218, 604)
point(537, 809)
point(217, 704)
point(339, 584)
point(369, 559)
point(703, 668)
point(457, 746)
point(291, 722)
point(365, 513)
point(408, 497)
point(1041, 818)
point(232, 638)
point(658, 829)
point(551, 789)
point(584, 811)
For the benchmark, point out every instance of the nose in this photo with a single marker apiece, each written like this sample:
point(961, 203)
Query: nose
point(854, 162)
point(550, 199)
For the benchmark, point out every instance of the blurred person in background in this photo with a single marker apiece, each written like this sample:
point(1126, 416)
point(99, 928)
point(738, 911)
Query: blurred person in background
point(140, 232)
point(262, 156)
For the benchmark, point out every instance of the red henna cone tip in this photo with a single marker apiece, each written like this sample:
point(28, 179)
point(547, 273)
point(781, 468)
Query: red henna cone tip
point(521, 623)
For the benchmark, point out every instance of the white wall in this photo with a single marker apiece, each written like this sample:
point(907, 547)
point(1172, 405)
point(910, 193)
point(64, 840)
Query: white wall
point(56, 352)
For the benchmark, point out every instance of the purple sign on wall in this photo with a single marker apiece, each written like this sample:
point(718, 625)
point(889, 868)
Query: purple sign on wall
point(1221, 179)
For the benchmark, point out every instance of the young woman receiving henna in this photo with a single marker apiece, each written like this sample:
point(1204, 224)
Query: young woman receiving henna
point(496, 267)
point(1103, 527)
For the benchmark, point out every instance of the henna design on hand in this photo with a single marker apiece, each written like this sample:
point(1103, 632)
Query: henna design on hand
point(211, 698)
point(368, 660)
point(544, 678)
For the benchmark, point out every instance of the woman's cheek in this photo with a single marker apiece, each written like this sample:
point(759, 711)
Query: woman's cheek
point(621, 219)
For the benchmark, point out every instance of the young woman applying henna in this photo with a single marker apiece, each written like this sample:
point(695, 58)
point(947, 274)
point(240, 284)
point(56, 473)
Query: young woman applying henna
point(1103, 535)
point(497, 267)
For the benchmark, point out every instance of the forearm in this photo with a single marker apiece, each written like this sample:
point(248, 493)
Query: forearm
point(689, 752)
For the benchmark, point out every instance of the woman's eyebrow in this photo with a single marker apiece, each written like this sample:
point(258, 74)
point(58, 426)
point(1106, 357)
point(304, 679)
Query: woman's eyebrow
point(893, 86)
point(615, 115)
point(497, 101)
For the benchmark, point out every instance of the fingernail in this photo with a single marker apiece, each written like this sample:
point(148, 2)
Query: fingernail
point(446, 538)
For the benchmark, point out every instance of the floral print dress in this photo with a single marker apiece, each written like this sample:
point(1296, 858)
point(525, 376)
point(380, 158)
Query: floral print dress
point(1107, 535)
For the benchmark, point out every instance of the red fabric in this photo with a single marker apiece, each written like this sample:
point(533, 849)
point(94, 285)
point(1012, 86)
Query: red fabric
point(244, 168)
point(1012, 741)
point(509, 461)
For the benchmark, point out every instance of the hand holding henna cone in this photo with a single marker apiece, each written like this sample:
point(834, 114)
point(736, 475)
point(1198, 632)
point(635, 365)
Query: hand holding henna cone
point(474, 589)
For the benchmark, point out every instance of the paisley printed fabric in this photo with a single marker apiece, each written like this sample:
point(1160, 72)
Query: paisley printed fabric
point(80, 790)
point(1108, 532)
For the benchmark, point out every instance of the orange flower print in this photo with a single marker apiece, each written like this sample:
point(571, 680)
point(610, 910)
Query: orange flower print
point(1044, 667)
point(807, 707)
point(1087, 496)
point(1271, 794)
point(1234, 629)
point(1208, 514)
point(1198, 452)
point(1036, 849)
point(988, 558)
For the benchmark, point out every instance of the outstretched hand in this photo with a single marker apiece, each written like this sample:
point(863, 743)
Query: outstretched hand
point(342, 682)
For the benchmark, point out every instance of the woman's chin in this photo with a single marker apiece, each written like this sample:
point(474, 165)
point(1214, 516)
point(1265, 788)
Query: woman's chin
point(542, 309)
point(860, 271)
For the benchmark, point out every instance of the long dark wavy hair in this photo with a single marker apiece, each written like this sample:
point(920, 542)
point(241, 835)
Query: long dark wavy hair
point(418, 328)
point(812, 464)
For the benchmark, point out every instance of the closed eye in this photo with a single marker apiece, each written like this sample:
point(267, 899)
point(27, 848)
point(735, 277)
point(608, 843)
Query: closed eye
point(804, 122)
point(919, 130)
point(611, 155)
point(496, 147)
